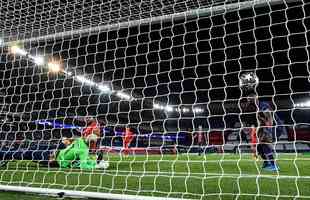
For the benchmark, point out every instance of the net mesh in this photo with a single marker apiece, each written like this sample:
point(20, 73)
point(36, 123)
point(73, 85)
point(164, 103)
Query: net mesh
point(168, 71)
point(32, 19)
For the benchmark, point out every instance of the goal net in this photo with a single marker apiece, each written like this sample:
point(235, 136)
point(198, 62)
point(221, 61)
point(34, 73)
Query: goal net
point(196, 99)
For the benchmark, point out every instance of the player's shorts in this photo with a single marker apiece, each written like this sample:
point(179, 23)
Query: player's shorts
point(264, 134)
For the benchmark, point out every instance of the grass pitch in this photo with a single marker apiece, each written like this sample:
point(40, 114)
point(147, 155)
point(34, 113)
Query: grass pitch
point(214, 176)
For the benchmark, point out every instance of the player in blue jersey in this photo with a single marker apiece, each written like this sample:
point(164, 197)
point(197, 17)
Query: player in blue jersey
point(270, 126)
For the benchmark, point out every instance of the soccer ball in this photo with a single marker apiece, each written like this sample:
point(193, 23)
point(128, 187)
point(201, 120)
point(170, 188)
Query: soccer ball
point(103, 164)
point(248, 80)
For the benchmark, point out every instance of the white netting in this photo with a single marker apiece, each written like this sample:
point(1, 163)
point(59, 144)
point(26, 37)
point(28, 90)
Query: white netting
point(169, 72)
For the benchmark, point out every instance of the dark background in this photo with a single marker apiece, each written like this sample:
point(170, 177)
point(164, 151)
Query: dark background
point(189, 62)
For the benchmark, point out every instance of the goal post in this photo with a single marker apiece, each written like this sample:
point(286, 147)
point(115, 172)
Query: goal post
point(184, 99)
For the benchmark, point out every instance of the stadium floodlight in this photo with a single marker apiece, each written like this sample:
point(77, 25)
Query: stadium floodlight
point(197, 110)
point(54, 67)
point(303, 105)
point(123, 95)
point(168, 108)
point(185, 110)
point(159, 107)
point(104, 88)
point(84, 80)
point(67, 73)
point(156, 106)
point(307, 104)
point(39, 60)
point(16, 50)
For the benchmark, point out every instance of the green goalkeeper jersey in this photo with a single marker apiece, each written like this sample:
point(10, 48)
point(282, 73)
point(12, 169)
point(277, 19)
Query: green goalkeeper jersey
point(76, 155)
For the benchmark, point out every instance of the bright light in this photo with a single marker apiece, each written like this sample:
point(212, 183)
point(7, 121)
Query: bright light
point(123, 95)
point(303, 105)
point(159, 107)
point(185, 110)
point(104, 88)
point(39, 60)
point(18, 51)
point(156, 106)
point(84, 80)
point(67, 73)
point(169, 108)
point(54, 67)
point(1, 42)
point(197, 110)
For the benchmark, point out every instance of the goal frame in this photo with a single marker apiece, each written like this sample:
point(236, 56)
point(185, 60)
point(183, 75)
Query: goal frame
point(218, 9)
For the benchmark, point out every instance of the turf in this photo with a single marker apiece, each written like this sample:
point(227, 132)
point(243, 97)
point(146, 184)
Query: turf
point(214, 176)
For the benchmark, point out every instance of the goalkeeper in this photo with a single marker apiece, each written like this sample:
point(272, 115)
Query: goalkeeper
point(71, 153)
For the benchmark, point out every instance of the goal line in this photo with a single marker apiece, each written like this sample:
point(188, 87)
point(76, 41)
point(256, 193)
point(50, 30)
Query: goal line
point(78, 194)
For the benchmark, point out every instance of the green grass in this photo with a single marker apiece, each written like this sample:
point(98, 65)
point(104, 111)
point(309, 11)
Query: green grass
point(214, 176)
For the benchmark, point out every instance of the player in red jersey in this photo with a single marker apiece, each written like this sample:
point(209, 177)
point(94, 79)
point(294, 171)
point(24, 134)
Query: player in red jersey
point(92, 134)
point(200, 138)
point(127, 139)
point(253, 142)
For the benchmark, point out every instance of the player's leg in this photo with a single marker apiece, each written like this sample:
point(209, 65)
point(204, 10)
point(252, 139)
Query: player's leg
point(125, 145)
point(199, 149)
point(260, 146)
point(127, 140)
point(260, 152)
point(269, 155)
point(266, 152)
point(267, 138)
point(254, 143)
